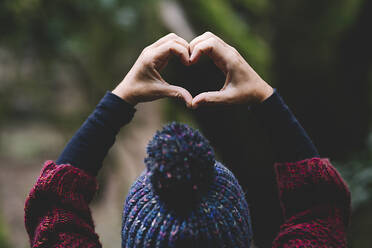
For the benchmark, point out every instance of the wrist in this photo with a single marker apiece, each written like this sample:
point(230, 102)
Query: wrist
point(124, 93)
point(264, 91)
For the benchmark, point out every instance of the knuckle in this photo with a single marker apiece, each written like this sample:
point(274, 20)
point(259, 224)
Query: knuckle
point(233, 49)
point(172, 36)
point(214, 41)
point(177, 94)
point(145, 50)
point(208, 33)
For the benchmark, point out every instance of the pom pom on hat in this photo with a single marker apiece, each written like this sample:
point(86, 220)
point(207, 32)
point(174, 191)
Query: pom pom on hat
point(185, 198)
point(180, 164)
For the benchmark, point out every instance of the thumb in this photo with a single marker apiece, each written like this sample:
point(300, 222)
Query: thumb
point(211, 97)
point(178, 92)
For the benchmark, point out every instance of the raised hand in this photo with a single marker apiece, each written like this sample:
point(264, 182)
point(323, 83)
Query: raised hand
point(144, 83)
point(242, 85)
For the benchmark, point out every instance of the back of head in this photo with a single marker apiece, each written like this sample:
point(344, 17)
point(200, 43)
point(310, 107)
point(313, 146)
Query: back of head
point(185, 198)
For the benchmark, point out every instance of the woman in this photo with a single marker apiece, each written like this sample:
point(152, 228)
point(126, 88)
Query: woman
point(185, 198)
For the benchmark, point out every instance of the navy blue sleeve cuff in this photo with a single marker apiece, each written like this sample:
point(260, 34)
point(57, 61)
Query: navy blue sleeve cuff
point(113, 112)
point(290, 141)
point(91, 143)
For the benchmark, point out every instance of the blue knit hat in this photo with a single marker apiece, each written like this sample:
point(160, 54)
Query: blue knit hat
point(185, 198)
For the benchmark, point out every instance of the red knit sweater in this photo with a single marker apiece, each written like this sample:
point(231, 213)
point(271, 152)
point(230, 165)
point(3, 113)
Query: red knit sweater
point(314, 199)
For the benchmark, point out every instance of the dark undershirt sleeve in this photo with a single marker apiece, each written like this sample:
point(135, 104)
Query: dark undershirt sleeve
point(290, 141)
point(91, 143)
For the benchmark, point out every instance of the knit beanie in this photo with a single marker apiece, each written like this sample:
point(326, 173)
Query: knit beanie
point(184, 197)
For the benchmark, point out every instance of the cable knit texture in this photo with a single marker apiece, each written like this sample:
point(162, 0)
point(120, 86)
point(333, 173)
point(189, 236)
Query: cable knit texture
point(315, 202)
point(57, 212)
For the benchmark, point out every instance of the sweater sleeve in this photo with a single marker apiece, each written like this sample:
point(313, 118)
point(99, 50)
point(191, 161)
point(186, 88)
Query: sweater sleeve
point(57, 212)
point(315, 203)
point(280, 124)
point(91, 143)
point(314, 198)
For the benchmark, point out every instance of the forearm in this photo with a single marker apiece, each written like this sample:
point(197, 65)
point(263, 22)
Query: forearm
point(289, 140)
point(313, 196)
point(91, 143)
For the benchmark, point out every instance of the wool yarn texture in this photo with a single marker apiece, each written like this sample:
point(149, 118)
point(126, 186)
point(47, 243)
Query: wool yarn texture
point(184, 197)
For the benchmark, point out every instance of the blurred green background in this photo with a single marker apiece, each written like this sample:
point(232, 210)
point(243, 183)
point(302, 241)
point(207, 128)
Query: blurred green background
point(58, 58)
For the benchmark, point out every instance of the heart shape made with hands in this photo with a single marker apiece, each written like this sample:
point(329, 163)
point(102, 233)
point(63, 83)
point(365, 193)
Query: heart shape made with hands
point(209, 71)
point(203, 76)
point(144, 82)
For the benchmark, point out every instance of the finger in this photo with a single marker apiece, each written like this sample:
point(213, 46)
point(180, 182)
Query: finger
point(211, 97)
point(213, 48)
point(177, 92)
point(169, 37)
point(202, 38)
point(172, 47)
point(199, 48)
point(199, 39)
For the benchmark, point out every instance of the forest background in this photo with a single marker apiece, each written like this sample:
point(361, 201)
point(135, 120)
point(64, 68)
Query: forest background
point(58, 58)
